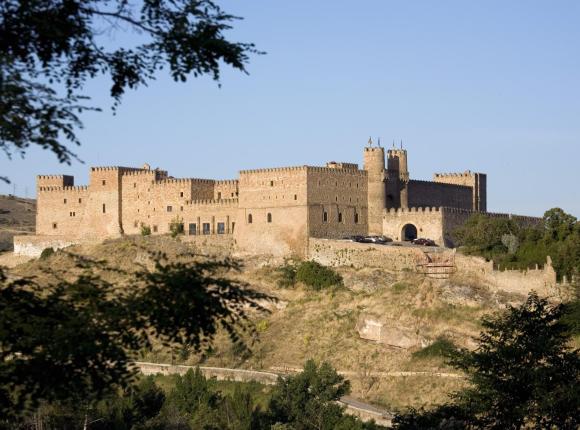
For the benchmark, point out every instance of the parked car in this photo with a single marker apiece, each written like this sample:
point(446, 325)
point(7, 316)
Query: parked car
point(423, 242)
point(355, 238)
point(379, 239)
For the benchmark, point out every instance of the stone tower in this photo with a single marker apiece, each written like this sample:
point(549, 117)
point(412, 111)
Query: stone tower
point(374, 164)
point(397, 179)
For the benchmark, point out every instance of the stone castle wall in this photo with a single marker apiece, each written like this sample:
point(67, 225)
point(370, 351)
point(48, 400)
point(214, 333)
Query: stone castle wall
point(425, 193)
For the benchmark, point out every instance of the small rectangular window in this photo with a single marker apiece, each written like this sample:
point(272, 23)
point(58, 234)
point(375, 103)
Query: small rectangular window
point(324, 216)
point(192, 229)
point(154, 229)
point(104, 182)
point(206, 229)
point(134, 184)
point(65, 201)
point(181, 194)
point(221, 228)
point(54, 225)
point(80, 200)
point(135, 224)
point(295, 196)
point(271, 183)
point(181, 208)
point(233, 225)
point(169, 208)
point(219, 196)
point(104, 208)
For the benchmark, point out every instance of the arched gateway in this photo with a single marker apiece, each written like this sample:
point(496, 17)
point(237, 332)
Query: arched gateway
point(409, 232)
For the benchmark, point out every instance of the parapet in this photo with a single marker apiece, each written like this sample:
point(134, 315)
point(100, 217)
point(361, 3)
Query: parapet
point(335, 171)
point(341, 165)
point(274, 170)
point(165, 181)
point(55, 181)
point(466, 174)
point(76, 188)
point(213, 202)
point(419, 209)
point(227, 182)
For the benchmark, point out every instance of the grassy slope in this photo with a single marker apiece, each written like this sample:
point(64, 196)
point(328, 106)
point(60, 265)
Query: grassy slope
point(17, 216)
point(322, 325)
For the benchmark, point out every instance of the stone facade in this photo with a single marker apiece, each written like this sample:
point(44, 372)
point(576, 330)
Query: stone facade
point(266, 211)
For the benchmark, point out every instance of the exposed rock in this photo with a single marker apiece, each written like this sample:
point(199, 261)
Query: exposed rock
point(390, 333)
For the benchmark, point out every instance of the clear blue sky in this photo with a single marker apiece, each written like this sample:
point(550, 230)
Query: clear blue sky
point(488, 86)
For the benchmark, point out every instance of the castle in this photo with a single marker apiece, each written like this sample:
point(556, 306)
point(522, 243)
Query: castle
point(266, 211)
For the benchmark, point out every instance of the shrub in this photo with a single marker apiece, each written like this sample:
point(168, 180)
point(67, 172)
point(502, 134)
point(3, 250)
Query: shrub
point(145, 230)
point(442, 347)
point(176, 227)
point(317, 276)
point(286, 276)
point(46, 252)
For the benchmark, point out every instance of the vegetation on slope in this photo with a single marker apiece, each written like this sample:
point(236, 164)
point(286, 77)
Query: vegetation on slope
point(512, 245)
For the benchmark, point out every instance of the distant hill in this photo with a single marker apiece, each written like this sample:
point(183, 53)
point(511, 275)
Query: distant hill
point(17, 216)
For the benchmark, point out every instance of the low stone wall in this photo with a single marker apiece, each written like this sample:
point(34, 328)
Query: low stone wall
point(32, 246)
point(542, 280)
point(344, 253)
point(221, 374)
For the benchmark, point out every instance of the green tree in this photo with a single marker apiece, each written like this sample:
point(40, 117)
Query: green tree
point(76, 338)
point(558, 224)
point(309, 400)
point(523, 375)
point(49, 49)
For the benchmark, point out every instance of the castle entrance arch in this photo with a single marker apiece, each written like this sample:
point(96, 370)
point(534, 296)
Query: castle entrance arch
point(409, 232)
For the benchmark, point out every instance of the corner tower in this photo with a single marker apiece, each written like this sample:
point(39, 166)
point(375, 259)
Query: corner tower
point(374, 164)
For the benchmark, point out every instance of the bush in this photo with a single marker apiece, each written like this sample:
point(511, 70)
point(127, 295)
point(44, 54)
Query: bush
point(176, 227)
point(46, 252)
point(145, 230)
point(317, 276)
point(286, 276)
point(442, 347)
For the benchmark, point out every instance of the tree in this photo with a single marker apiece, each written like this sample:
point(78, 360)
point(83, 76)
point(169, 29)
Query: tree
point(49, 49)
point(76, 338)
point(558, 224)
point(523, 375)
point(309, 400)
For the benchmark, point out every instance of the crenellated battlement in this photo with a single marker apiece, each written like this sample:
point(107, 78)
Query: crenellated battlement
point(273, 170)
point(466, 174)
point(52, 176)
point(75, 188)
point(227, 182)
point(143, 172)
point(427, 209)
point(442, 184)
point(213, 202)
point(337, 172)
point(166, 181)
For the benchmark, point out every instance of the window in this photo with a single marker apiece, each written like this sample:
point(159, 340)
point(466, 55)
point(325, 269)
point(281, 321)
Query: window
point(169, 208)
point(104, 182)
point(206, 229)
point(154, 229)
point(104, 208)
point(355, 218)
point(340, 217)
point(65, 201)
point(324, 216)
point(134, 184)
point(271, 183)
point(295, 196)
point(80, 200)
point(221, 228)
point(181, 208)
point(219, 196)
point(336, 198)
point(54, 225)
point(192, 229)
point(232, 194)
point(269, 217)
point(249, 218)
point(135, 224)
point(233, 225)
point(181, 194)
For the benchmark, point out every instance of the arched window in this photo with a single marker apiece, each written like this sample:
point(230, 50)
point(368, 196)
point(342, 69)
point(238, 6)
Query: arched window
point(249, 218)
point(269, 217)
point(355, 218)
point(340, 217)
point(324, 216)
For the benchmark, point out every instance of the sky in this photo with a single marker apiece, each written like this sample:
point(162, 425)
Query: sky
point(492, 87)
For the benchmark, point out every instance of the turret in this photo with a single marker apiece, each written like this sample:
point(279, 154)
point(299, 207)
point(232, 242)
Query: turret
point(374, 164)
point(397, 179)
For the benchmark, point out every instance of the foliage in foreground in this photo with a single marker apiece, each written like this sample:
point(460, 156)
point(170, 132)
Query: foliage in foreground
point(522, 375)
point(306, 401)
point(75, 338)
point(50, 49)
point(513, 245)
point(311, 273)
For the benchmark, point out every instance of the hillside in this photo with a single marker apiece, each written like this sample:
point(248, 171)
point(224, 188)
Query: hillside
point(17, 216)
point(413, 312)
